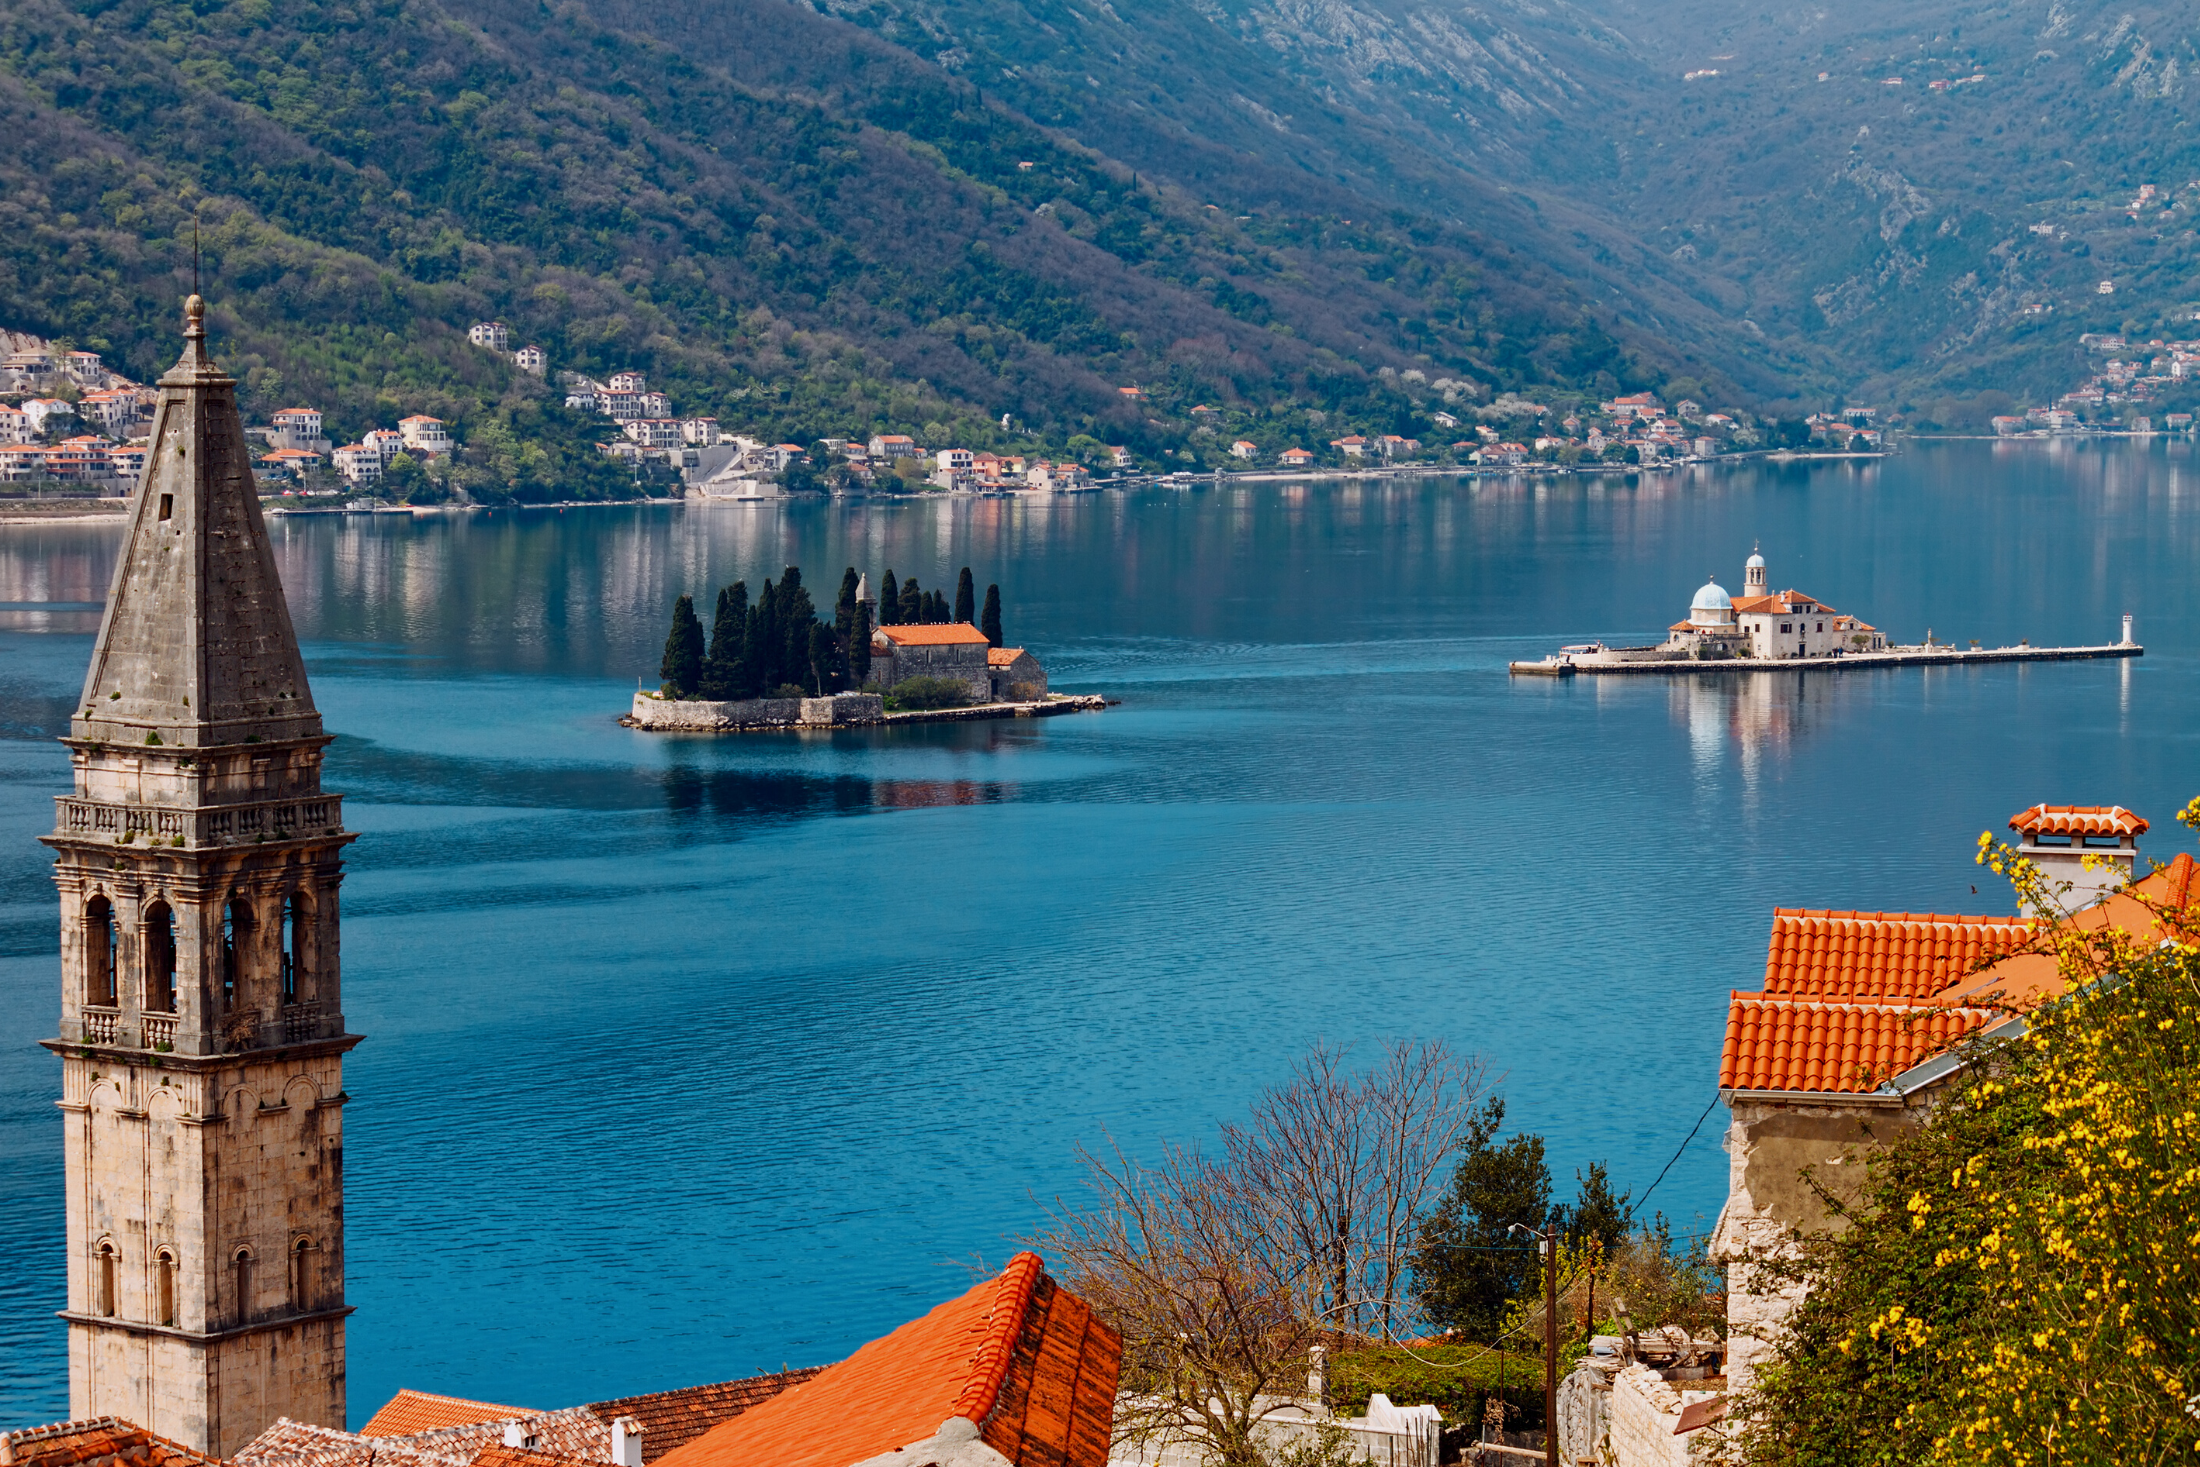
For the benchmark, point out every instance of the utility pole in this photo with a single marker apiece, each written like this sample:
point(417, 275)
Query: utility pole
point(1550, 1345)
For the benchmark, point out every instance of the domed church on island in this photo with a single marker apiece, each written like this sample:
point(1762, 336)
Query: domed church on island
point(1766, 625)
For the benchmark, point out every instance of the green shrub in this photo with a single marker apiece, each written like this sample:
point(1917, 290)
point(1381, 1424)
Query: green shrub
point(1457, 1379)
point(913, 694)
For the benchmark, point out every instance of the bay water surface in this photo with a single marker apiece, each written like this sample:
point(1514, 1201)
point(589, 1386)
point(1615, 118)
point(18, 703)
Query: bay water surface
point(691, 1057)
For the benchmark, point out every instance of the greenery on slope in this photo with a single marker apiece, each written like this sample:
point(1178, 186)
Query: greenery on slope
point(840, 239)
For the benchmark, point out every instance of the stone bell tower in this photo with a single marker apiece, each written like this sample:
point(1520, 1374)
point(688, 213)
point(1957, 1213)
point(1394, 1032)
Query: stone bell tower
point(202, 1030)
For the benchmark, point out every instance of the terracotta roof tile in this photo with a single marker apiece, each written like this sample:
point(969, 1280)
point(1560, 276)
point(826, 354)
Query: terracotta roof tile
point(2078, 820)
point(1836, 1048)
point(100, 1441)
point(501, 1455)
point(409, 1411)
point(672, 1419)
point(940, 634)
point(300, 1444)
point(1002, 656)
point(1853, 956)
point(1019, 1355)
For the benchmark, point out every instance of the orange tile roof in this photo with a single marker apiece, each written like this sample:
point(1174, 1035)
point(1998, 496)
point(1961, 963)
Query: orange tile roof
point(1018, 1355)
point(409, 1411)
point(2078, 820)
point(100, 1441)
point(672, 1419)
point(1847, 957)
point(500, 1455)
point(1002, 656)
point(1781, 603)
point(1836, 1048)
point(942, 634)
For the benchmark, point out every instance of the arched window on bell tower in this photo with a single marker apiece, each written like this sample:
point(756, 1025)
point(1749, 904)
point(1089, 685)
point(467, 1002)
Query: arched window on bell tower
point(107, 1280)
point(241, 1266)
point(301, 1276)
point(160, 959)
point(297, 925)
point(164, 1288)
point(99, 953)
point(236, 934)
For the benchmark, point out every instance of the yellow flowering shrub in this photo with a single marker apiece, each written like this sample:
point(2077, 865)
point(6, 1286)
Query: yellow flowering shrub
point(2021, 1285)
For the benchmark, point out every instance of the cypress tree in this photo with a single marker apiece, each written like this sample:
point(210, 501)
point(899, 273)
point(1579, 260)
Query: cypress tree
point(911, 612)
point(859, 646)
point(938, 614)
point(682, 668)
point(889, 601)
point(844, 610)
point(722, 668)
point(966, 598)
point(990, 621)
point(760, 648)
point(796, 616)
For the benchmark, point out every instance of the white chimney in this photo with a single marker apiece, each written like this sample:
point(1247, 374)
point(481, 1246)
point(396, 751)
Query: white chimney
point(514, 1433)
point(626, 1442)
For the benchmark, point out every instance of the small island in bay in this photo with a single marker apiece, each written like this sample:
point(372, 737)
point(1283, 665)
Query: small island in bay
point(1788, 630)
point(901, 656)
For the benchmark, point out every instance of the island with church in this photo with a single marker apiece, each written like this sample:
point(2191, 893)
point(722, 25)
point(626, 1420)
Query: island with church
point(903, 655)
point(1763, 629)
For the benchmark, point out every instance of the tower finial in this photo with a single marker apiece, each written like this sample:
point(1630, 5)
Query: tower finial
point(194, 309)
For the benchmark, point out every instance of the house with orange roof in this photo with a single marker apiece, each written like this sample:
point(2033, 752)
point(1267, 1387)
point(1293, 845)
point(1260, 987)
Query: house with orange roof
point(1859, 1023)
point(1016, 675)
point(1296, 458)
point(953, 650)
point(1016, 1372)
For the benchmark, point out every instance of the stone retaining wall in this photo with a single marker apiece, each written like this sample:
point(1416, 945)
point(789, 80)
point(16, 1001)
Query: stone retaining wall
point(697, 715)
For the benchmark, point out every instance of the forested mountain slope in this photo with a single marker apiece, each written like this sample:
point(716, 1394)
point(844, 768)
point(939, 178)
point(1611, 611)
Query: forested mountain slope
point(786, 221)
point(1881, 239)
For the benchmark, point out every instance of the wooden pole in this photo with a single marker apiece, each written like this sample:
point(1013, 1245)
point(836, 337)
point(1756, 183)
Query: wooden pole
point(1550, 1346)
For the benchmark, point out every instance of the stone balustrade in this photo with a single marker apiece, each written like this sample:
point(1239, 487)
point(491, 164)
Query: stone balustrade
point(199, 826)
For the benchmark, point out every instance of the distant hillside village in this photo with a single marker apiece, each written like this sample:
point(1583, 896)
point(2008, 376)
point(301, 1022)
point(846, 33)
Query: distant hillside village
point(2136, 375)
point(69, 421)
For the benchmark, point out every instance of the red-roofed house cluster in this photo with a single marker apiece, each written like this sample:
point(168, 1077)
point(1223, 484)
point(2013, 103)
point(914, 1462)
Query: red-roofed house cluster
point(1860, 1022)
point(1016, 1372)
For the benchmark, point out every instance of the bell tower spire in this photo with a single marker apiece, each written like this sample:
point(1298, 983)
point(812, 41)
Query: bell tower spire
point(1753, 573)
point(202, 1033)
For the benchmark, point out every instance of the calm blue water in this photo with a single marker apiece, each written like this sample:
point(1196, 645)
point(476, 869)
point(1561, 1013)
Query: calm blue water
point(688, 1058)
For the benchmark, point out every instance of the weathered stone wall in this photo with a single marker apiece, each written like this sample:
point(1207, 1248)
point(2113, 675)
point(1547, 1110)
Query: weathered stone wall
point(1770, 1145)
point(963, 661)
point(196, 1162)
point(1644, 1409)
point(1022, 681)
point(697, 715)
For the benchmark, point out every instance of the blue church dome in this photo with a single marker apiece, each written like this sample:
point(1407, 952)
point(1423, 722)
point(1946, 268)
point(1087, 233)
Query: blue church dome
point(1711, 598)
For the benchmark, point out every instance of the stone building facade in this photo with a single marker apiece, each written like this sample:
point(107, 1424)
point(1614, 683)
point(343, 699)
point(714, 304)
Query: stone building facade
point(202, 1037)
point(954, 650)
point(1016, 674)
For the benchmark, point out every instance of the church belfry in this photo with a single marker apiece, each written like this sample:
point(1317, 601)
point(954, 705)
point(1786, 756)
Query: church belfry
point(202, 1030)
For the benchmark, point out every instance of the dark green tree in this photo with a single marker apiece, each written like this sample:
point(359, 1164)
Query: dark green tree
point(1466, 1266)
point(859, 646)
point(682, 668)
point(1595, 1211)
point(823, 659)
point(844, 609)
point(966, 598)
point(989, 621)
point(889, 601)
point(911, 612)
point(761, 647)
point(796, 613)
point(723, 668)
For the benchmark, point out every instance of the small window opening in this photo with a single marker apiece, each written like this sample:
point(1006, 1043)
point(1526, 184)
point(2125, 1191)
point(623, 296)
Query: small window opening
point(167, 505)
point(236, 931)
point(106, 1300)
point(164, 1288)
point(294, 946)
point(99, 953)
point(301, 1275)
point(160, 959)
point(244, 1284)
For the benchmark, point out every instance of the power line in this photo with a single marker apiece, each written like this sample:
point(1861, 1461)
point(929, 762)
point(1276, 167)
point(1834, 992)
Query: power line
point(1692, 1130)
